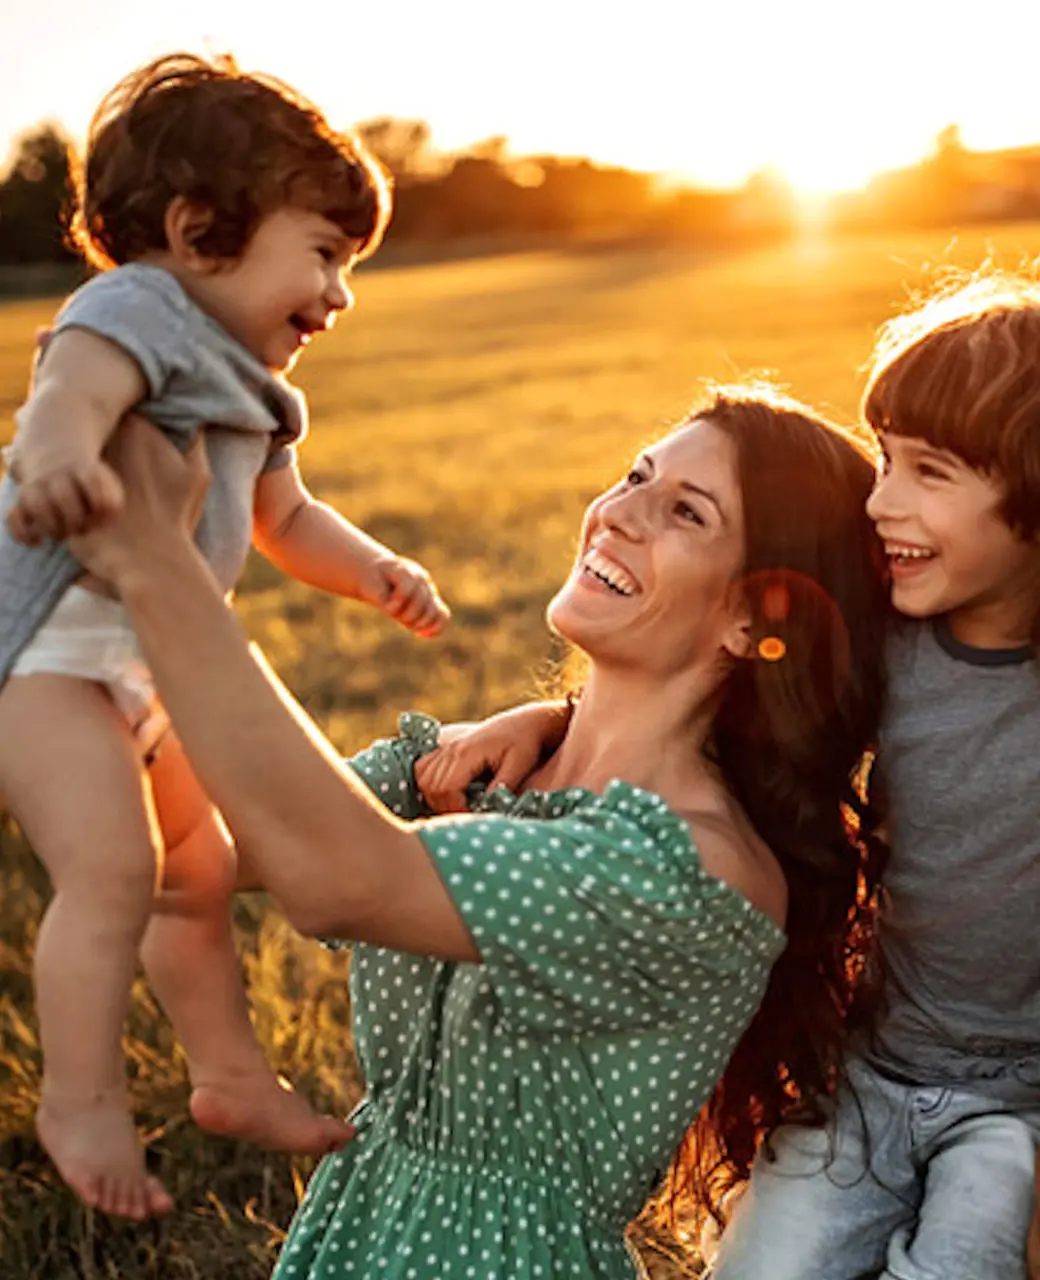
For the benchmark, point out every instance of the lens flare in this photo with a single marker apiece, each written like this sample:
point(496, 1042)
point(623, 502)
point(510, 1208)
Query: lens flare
point(776, 602)
point(799, 623)
point(772, 648)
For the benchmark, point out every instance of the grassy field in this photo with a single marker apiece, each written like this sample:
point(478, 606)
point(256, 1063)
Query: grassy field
point(464, 413)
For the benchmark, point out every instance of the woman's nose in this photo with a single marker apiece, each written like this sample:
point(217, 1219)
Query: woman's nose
point(627, 513)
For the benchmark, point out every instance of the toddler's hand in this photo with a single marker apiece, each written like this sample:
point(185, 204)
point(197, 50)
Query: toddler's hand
point(64, 502)
point(404, 591)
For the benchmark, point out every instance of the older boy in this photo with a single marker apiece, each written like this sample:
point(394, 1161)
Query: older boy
point(926, 1169)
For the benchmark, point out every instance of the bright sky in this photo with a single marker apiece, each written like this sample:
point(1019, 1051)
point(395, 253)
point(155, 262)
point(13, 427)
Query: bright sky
point(827, 91)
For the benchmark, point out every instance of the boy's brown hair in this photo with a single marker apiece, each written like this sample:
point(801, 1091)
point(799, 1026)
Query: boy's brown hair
point(242, 145)
point(962, 371)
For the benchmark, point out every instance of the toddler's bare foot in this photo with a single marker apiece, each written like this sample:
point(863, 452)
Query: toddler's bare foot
point(264, 1109)
point(93, 1143)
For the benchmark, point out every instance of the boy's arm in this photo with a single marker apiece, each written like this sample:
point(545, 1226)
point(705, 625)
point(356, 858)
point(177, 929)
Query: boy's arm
point(81, 391)
point(311, 542)
point(1033, 1245)
point(503, 750)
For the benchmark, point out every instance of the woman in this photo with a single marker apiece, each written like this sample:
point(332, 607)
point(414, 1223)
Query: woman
point(551, 986)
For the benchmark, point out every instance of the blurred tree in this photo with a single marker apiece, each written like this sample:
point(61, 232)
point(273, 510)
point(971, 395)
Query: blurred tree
point(402, 145)
point(576, 196)
point(492, 149)
point(947, 179)
point(34, 198)
point(475, 197)
point(948, 141)
point(765, 206)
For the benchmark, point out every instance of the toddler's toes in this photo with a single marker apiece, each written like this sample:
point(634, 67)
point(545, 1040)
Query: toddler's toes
point(158, 1200)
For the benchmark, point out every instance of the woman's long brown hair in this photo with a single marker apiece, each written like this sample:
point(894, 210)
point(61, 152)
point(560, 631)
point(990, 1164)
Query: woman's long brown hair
point(794, 739)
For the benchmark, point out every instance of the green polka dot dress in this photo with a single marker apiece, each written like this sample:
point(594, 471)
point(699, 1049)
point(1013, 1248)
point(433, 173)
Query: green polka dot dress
point(518, 1112)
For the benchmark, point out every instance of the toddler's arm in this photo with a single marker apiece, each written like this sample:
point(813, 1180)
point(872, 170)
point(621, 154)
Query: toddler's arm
point(315, 544)
point(82, 389)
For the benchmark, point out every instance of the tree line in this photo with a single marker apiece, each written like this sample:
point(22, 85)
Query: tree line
point(482, 191)
point(485, 192)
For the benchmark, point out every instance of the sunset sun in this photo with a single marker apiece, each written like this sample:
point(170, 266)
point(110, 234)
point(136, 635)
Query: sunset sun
point(711, 93)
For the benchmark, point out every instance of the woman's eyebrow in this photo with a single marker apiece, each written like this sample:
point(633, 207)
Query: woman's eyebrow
point(689, 486)
point(703, 493)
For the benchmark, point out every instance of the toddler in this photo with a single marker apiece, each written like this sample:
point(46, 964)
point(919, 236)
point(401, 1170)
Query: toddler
point(225, 215)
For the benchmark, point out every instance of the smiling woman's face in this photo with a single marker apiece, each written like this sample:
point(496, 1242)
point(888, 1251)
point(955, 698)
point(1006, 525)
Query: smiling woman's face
point(655, 585)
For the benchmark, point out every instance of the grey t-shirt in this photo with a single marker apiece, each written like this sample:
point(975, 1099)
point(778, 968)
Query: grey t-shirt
point(960, 933)
point(198, 378)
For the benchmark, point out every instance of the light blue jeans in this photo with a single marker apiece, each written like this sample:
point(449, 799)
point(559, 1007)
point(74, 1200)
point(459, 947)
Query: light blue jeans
point(926, 1183)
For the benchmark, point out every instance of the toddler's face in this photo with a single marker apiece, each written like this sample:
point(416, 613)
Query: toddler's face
point(288, 284)
point(949, 549)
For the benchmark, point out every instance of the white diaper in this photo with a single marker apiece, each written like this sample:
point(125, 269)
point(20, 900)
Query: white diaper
point(90, 636)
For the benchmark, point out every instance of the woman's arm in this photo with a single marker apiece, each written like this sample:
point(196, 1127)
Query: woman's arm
point(339, 863)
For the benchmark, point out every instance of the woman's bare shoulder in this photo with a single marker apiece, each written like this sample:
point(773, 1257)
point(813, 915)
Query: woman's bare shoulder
point(732, 851)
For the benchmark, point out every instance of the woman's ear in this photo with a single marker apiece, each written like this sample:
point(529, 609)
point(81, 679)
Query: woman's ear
point(737, 640)
point(185, 223)
point(738, 645)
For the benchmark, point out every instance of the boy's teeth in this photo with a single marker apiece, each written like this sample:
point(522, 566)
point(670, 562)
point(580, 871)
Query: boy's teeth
point(910, 553)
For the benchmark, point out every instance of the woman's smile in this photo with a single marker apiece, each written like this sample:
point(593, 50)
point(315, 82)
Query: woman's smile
point(599, 570)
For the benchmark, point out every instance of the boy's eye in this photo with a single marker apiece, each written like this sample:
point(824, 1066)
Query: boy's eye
point(326, 254)
point(634, 477)
point(930, 472)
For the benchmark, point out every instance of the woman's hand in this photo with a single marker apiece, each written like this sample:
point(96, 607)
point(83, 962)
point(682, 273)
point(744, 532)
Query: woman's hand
point(164, 491)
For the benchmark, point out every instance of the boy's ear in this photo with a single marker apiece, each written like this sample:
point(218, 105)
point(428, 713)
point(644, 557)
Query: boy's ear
point(185, 223)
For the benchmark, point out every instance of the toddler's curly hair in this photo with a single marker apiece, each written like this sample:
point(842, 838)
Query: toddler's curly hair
point(239, 144)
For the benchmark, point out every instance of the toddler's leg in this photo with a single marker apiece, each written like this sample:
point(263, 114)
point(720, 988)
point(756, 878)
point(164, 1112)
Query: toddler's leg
point(807, 1214)
point(69, 772)
point(977, 1204)
point(190, 958)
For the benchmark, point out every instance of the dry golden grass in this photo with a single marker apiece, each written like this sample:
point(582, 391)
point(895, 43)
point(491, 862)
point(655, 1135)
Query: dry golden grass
point(464, 413)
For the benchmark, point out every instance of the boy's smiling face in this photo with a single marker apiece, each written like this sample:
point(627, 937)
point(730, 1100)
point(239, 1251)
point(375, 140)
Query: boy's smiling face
point(949, 548)
point(289, 283)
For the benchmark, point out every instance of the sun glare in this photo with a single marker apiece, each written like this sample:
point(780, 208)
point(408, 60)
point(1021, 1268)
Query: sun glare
point(815, 172)
point(708, 94)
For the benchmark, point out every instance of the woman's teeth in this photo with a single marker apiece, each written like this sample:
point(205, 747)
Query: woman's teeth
point(607, 572)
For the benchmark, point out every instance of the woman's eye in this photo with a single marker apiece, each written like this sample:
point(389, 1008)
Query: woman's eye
point(326, 255)
point(690, 514)
point(634, 477)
